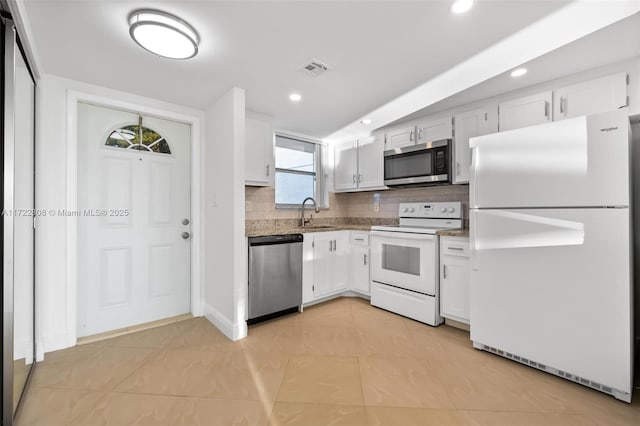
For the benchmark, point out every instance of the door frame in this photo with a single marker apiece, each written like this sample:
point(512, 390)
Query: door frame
point(197, 195)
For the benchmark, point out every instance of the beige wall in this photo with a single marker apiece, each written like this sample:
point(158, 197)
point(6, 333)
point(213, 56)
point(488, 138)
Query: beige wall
point(260, 202)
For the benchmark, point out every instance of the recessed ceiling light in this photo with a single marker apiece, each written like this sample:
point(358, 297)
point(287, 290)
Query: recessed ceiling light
point(461, 6)
point(163, 34)
point(295, 97)
point(518, 72)
point(365, 121)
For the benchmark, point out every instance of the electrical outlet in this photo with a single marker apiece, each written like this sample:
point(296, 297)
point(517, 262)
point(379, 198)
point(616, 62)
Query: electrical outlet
point(247, 206)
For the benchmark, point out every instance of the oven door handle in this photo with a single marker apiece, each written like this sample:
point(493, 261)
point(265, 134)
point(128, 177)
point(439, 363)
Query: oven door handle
point(402, 235)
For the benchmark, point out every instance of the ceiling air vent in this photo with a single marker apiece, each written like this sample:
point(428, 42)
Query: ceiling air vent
point(315, 67)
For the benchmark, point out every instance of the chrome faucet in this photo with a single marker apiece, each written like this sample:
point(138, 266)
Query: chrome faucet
point(302, 219)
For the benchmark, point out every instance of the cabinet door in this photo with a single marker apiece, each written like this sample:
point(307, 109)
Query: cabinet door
point(371, 162)
point(399, 138)
point(258, 153)
point(434, 130)
point(322, 263)
point(360, 268)
point(346, 169)
point(454, 288)
point(467, 125)
point(591, 97)
point(340, 261)
point(526, 111)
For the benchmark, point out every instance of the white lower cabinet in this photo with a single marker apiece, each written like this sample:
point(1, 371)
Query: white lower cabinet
point(330, 263)
point(454, 278)
point(359, 262)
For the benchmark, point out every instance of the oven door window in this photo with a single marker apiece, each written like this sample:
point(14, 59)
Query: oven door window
point(410, 164)
point(401, 259)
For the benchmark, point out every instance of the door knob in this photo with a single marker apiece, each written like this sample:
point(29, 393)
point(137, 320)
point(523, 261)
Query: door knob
point(185, 221)
point(185, 235)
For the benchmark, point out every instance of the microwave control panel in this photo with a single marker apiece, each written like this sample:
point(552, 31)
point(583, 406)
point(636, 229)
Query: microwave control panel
point(452, 210)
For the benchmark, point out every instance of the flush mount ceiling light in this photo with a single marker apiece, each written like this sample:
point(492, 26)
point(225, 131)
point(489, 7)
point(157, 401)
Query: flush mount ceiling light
point(295, 97)
point(518, 72)
point(163, 34)
point(365, 121)
point(461, 6)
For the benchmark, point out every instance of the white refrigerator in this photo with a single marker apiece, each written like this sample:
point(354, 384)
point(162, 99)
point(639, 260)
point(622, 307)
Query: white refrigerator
point(551, 269)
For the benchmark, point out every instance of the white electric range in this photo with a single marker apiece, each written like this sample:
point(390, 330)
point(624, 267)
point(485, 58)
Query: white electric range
point(405, 260)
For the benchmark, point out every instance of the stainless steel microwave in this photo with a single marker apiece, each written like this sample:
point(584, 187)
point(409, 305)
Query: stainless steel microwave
point(418, 165)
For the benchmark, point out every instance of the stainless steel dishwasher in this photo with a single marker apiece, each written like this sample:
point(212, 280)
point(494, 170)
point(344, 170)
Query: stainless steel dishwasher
point(275, 276)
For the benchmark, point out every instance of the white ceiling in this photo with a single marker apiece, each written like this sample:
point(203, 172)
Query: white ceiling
point(379, 50)
point(614, 43)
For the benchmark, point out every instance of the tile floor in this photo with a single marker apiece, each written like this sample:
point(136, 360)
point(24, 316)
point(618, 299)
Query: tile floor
point(339, 363)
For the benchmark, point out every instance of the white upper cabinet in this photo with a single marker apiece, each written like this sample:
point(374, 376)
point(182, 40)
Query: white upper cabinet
point(399, 138)
point(591, 97)
point(526, 111)
point(371, 162)
point(467, 125)
point(359, 165)
point(258, 153)
point(346, 166)
point(434, 130)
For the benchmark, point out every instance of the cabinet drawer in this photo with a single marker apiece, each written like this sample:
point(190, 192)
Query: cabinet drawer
point(360, 238)
point(454, 247)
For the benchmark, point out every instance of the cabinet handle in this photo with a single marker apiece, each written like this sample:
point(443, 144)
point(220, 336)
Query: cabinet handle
point(457, 168)
point(411, 136)
point(546, 108)
point(455, 248)
point(562, 108)
point(359, 239)
point(419, 134)
point(330, 245)
point(365, 260)
point(359, 178)
point(486, 116)
point(444, 272)
point(354, 178)
point(334, 245)
point(268, 169)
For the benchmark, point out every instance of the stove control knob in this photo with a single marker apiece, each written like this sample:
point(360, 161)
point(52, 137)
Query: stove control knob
point(405, 210)
point(450, 209)
point(444, 210)
point(411, 210)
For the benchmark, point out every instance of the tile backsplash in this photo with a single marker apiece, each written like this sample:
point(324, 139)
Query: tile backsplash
point(260, 202)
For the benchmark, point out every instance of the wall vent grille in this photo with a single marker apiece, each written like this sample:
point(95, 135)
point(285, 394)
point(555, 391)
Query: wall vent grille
point(563, 374)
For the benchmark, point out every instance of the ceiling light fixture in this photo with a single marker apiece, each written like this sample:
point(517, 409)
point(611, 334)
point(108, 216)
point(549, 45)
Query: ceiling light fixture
point(365, 121)
point(461, 6)
point(295, 97)
point(518, 72)
point(163, 34)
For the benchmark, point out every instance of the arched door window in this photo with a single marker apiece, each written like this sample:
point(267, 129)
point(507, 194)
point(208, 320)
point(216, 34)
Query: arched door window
point(138, 138)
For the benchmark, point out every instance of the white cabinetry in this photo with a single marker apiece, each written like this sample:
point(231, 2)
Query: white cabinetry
point(258, 153)
point(467, 125)
point(359, 165)
point(454, 278)
point(330, 262)
point(525, 111)
point(401, 137)
point(434, 130)
point(359, 262)
point(346, 168)
point(591, 97)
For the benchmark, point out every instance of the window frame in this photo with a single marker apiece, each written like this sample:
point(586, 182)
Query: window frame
point(320, 175)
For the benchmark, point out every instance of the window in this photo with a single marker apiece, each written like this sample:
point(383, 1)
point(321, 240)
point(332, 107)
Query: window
point(138, 138)
point(298, 166)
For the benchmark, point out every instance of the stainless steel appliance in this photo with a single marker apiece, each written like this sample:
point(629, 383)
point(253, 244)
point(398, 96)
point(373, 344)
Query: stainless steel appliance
point(418, 165)
point(275, 276)
point(404, 260)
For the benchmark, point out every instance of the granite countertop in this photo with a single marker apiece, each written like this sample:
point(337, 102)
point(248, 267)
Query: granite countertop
point(259, 228)
point(463, 233)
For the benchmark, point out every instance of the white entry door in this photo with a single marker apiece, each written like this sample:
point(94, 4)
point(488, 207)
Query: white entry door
point(134, 219)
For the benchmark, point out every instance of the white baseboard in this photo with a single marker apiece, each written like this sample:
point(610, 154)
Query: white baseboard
point(57, 341)
point(232, 331)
